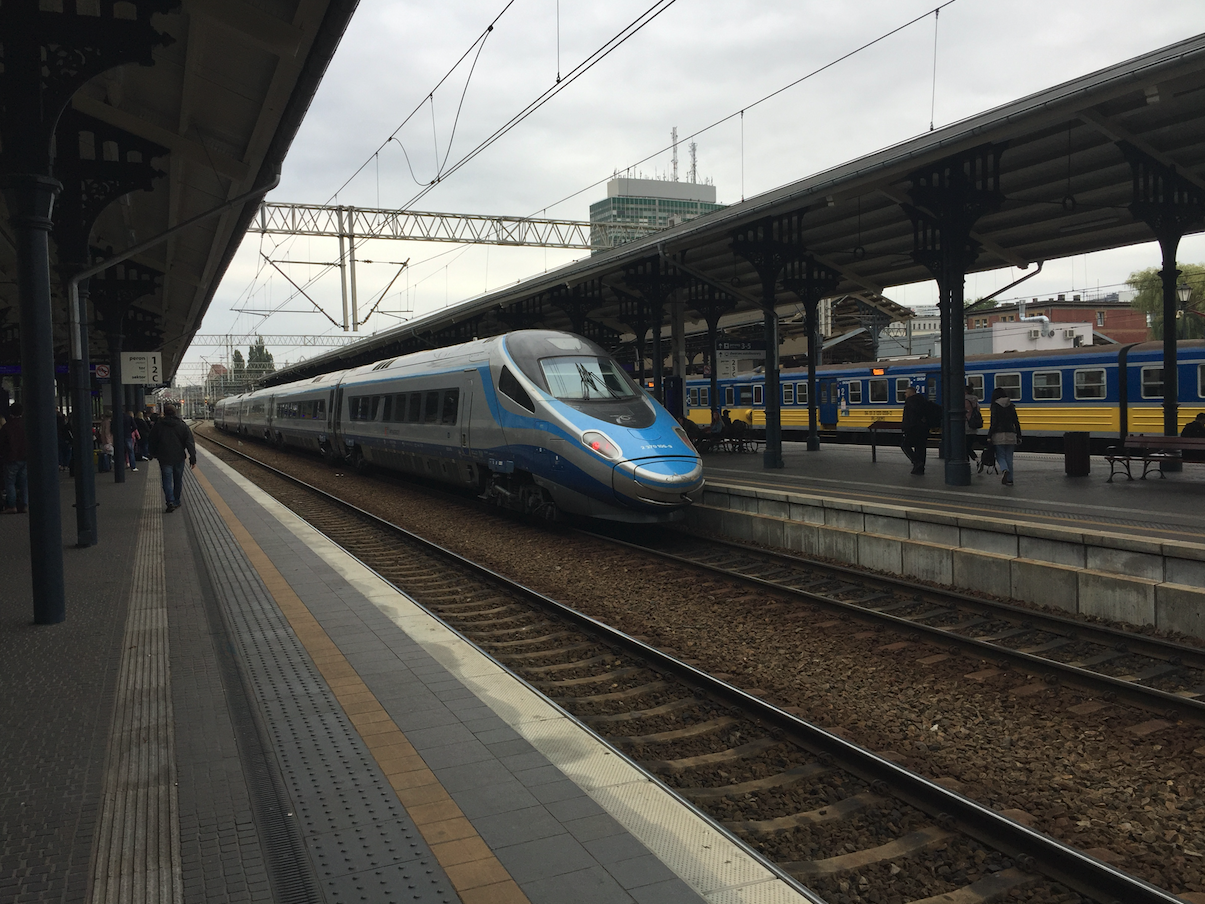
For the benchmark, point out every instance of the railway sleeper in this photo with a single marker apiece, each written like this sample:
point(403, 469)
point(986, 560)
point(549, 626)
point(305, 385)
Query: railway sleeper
point(754, 786)
point(528, 641)
point(677, 734)
point(614, 696)
point(913, 843)
point(831, 813)
point(704, 760)
point(545, 654)
point(589, 679)
point(635, 715)
point(995, 887)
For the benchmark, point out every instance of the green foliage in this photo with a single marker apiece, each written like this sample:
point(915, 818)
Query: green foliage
point(259, 361)
point(1148, 286)
point(238, 371)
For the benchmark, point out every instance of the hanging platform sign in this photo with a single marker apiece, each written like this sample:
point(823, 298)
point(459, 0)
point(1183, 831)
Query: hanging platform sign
point(139, 368)
point(727, 354)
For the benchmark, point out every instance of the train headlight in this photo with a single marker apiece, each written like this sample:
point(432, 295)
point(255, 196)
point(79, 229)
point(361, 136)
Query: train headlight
point(597, 442)
point(686, 439)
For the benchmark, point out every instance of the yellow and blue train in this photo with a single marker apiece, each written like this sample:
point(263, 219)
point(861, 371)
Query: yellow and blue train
point(1108, 391)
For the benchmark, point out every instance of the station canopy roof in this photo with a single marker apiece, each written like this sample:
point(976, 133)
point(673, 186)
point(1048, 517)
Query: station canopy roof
point(222, 102)
point(1065, 176)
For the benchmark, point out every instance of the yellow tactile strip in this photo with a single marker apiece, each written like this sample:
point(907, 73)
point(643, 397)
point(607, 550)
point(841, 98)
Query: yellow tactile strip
point(471, 866)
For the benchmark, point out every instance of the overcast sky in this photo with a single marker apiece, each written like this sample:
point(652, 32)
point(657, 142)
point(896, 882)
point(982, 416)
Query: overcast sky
point(696, 63)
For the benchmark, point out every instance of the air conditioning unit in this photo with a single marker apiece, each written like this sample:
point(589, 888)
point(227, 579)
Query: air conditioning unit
point(1034, 334)
point(1068, 334)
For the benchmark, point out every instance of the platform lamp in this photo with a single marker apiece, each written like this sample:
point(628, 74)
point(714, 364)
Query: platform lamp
point(1183, 293)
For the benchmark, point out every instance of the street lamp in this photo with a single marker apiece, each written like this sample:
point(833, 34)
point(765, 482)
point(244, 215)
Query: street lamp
point(1183, 293)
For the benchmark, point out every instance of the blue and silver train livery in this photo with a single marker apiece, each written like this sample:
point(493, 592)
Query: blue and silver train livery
point(536, 420)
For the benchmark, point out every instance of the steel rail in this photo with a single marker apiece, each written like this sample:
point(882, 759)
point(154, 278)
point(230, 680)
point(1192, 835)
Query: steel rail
point(1031, 849)
point(1174, 706)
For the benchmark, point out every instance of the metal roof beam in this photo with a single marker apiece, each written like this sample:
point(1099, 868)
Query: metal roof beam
point(1116, 132)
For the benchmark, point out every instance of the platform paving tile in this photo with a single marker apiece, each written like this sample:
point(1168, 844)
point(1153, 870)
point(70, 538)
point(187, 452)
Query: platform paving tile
point(616, 848)
point(500, 797)
point(593, 885)
point(670, 891)
point(515, 826)
point(461, 753)
point(591, 828)
point(530, 861)
point(507, 795)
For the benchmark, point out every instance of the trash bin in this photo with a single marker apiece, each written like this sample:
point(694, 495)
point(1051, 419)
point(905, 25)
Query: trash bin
point(1076, 459)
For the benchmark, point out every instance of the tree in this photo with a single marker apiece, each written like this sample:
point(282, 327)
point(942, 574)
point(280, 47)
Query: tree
point(259, 361)
point(238, 372)
point(1148, 286)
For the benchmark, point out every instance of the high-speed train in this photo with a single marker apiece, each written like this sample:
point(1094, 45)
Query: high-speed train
point(1105, 390)
point(537, 421)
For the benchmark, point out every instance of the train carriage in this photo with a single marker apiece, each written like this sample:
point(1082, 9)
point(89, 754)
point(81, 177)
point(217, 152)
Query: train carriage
point(536, 420)
point(1104, 390)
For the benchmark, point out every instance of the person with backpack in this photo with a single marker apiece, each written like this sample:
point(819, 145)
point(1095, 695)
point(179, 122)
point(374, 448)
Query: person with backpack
point(916, 428)
point(1005, 432)
point(974, 421)
point(172, 443)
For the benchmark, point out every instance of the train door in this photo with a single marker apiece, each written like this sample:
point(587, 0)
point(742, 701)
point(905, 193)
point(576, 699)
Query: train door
point(827, 403)
point(466, 407)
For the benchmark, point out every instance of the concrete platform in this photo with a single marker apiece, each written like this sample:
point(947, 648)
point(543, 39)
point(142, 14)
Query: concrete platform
point(237, 710)
point(1130, 552)
point(1164, 508)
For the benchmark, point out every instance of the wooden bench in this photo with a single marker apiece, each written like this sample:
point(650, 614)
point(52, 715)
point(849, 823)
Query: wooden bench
point(1152, 450)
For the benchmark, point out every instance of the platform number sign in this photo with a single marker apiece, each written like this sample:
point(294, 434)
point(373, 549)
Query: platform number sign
point(141, 368)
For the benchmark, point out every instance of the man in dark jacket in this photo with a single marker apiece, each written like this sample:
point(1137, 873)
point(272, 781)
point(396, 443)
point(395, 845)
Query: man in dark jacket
point(916, 429)
point(171, 443)
point(12, 462)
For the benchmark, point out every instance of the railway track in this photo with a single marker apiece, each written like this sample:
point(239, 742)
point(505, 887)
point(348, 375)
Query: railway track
point(1149, 672)
point(834, 817)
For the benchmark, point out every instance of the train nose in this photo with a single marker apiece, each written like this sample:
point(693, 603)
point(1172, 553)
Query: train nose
point(659, 481)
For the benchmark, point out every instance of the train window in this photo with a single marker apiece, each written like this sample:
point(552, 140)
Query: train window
point(387, 408)
point(692, 398)
point(705, 397)
point(728, 396)
point(1011, 383)
point(801, 393)
point(399, 408)
point(1047, 384)
point(788, 393)
point(824, 393)
point(1152, 382)
point(855, 392)
point(1201, 381)
point(901, 384)
point(1089, 384)
point(431, 407)
point(451, 405)
point(509, 386)
point(414, 411)
point(363, 408)
point(583, 378)
point(975, 381)
point(757, 394)
point(878, 392)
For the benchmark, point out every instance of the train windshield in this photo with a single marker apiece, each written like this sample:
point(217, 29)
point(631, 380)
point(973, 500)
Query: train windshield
point(582, 379)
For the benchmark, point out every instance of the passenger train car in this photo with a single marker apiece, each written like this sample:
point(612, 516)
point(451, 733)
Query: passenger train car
point(1105, 390)
point(536, 420)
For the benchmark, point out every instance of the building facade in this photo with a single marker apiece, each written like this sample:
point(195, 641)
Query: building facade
point(1112, 319)
point(636, 207)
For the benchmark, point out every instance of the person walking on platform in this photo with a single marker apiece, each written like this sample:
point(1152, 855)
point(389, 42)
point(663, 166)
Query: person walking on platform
point(104, 441)
point(1004, 432)
point(171, 443)
point(916, 429)
point(974, 419)
point(12, 462)
point(131, 432)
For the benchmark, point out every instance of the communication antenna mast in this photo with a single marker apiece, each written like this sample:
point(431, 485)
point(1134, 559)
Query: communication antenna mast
point(694, 163)
point(674, 137)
